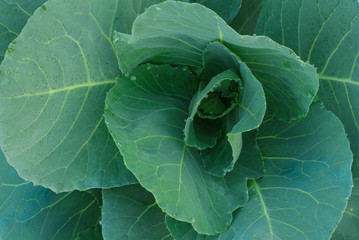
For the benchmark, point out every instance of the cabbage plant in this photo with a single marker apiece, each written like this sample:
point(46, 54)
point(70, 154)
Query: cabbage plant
point(183, 120)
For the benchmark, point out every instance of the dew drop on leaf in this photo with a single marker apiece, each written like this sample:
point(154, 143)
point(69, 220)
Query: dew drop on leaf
point(133, 78)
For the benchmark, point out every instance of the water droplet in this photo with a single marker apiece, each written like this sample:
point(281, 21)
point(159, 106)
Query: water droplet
point(148, 67)
point(116, 40)
point(193, 220)
point(351, 209)
point(254, 35)
point(119, 144)
point(127, 75)
point(159, 9)
point(100, 222)
point(133, 78)
point(107, 122)
point(205, 96)
point(43, 7)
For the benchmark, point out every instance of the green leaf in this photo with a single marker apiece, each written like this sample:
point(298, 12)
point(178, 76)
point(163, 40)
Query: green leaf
point(52, 91)
point(29, 212)
point(246, 20)
point(250, 161)
point(252, 103)
point(131, 213)
point(130, 9)
point(226, 9)
point(178, 33)
point(243, 117)
point(209, 102)
point(97, 194)
point(201, 106)
point(328, 39)
point(13, 17)
point(304, 190)
point(348, 227)
point(90, 234)
point(221, 158)
point(145, 115)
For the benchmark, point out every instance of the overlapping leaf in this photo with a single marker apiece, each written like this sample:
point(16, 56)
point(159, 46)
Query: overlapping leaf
point(246, 20)
point(227, 9)
point(145, 114)
point(28, 212)
point(131, 213)
point(328, 39)
point(219, 136)
point(52, 90)
point(13, 17)
point(303, 193)
point(178, 33)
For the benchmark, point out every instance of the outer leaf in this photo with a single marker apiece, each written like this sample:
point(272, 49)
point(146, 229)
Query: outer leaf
point(131, 213)
point(28, 212)
point(55, 81)
point(90, 234)
point(227, 9)
point(304, 191)
point(328, 39)
point(130, 9)
point(13, 17)
point(178, 33)
point(246, 20)
point(146, 117)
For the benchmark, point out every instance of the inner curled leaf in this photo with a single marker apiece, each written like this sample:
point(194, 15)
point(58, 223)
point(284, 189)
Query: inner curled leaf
point(221, 100)
point(213, 100)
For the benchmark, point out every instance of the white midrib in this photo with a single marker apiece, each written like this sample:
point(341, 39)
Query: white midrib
point(336, 79)
point(264, 208)
point(64, 89)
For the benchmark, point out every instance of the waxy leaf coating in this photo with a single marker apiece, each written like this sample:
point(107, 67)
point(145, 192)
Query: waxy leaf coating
point(52, 91)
